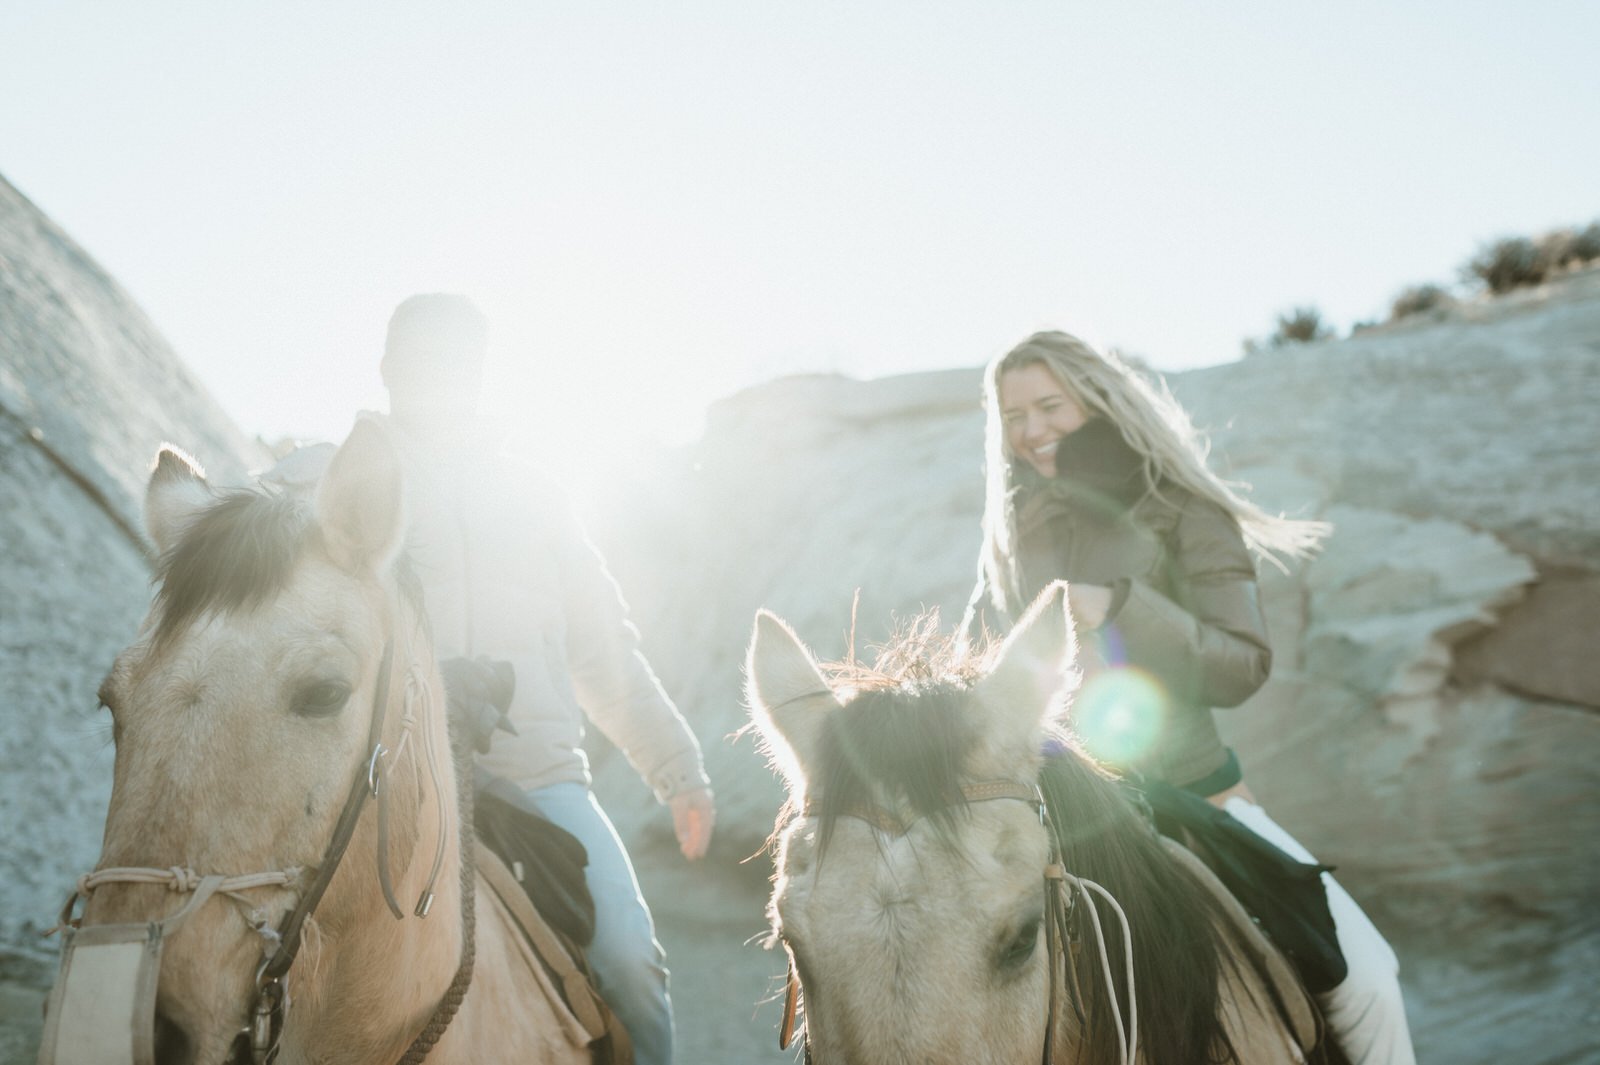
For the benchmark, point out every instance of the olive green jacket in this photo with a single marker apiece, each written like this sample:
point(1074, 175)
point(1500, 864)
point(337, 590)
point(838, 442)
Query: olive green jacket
point(1185, 605)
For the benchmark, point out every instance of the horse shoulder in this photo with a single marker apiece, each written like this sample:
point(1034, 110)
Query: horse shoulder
point(519, 1013)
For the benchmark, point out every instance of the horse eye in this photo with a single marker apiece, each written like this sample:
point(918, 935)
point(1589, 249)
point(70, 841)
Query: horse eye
point(1021, 946)
point(322, 699)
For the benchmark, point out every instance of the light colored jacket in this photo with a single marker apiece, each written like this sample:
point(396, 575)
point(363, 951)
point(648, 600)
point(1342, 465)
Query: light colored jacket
point(507, 572)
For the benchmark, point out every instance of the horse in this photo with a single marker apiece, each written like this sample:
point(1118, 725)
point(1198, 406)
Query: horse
point(279, 722)
point(948, 893)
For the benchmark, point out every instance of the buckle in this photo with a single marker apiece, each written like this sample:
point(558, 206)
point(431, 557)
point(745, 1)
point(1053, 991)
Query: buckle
point(266, 1021)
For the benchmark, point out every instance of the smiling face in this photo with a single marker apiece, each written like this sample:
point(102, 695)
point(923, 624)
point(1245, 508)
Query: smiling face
point(1037, 412)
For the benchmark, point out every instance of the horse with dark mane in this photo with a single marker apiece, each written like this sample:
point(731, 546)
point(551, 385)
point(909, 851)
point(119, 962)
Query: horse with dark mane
point(287, 872)
point(948, 893)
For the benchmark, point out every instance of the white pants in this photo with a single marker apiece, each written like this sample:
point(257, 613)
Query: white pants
point(1366, 1013)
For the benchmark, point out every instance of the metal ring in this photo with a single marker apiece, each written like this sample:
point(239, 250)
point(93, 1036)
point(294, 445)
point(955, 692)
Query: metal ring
point(261, 972)
point(374, 775)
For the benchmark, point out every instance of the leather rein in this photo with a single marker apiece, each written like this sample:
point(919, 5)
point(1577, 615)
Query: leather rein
point(269, 1007)
point(1062, 890)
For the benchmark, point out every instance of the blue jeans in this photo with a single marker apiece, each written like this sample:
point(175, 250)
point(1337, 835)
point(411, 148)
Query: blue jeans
point(625, 956)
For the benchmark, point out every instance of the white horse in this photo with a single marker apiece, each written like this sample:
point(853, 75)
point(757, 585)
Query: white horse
point(939, 907)
point(283, 675)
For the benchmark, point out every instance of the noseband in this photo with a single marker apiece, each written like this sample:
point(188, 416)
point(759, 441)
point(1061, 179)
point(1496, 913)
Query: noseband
point(282, 944)
point(1062, 891)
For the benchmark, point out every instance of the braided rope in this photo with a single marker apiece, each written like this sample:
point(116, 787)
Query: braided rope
point(448, 1006)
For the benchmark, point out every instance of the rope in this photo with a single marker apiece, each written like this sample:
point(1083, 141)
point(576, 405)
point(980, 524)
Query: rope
point(1128, 1046)
point(179, 879)
point(445, 1012)
point(176, 879)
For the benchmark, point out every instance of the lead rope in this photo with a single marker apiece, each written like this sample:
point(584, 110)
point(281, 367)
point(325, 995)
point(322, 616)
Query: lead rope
point(1059, 883)
point(1062, 892)
point(448, 1006)
point(462, 757)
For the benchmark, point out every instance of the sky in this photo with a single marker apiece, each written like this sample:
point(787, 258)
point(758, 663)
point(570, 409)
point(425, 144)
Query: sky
point(659, 204)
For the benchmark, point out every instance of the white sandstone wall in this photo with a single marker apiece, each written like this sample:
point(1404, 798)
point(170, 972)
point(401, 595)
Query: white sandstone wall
point(88, 391)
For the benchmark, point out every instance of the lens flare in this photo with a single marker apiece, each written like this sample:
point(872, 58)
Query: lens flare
point(1118, 714)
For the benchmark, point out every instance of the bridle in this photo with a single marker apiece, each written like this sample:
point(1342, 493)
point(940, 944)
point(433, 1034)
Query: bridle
point(281, 944)
point(1062, 890)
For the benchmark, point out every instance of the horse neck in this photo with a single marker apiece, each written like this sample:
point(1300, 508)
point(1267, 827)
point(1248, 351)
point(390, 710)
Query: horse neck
point(373, 981)
point(1178, 939)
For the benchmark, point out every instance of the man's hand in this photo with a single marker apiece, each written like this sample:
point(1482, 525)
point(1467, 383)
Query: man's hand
point(693, 814)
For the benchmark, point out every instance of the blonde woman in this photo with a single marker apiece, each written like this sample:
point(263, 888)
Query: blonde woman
point(1096, 476)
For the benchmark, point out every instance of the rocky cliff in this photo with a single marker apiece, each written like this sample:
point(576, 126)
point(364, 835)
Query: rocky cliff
point(88, 391)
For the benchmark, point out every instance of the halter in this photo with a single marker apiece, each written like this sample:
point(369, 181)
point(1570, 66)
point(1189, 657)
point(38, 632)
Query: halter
point(1062, 892)
point(269, 1006)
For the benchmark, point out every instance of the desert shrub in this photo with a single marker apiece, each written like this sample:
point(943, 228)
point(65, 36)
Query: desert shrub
point(1582, 245)
point(1507, 263)
point(1301, 325)
point(1555, 250)
point(1419, 299)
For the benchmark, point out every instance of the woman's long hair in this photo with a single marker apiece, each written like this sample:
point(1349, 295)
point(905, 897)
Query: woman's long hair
point(1153, 423)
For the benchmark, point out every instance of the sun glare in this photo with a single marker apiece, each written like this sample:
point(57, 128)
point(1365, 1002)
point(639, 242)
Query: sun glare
point(1118, 713)
point(585, 425)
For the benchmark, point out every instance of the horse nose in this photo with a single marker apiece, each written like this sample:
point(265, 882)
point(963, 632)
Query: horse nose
point(173, 1045)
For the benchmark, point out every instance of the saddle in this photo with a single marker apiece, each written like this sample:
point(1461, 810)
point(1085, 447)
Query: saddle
point(1285, 896)
point(546, 860)
point(562, 965)
point(534, 867)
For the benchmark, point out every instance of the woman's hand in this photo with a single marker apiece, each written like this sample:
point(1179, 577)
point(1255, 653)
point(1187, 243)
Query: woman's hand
point(1088, 604)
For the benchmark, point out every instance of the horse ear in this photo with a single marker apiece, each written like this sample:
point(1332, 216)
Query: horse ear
point(789, 698)
point(176, 494)
point(1035, 664)
point(359, 504)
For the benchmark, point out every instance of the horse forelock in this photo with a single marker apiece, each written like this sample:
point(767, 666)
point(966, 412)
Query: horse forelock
point(903, 736)
point(238, 553)
point(895, 747)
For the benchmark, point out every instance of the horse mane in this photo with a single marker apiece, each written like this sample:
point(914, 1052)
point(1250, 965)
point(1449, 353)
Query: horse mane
point(903, 734)
point(1180, 932)
point(238, 553)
